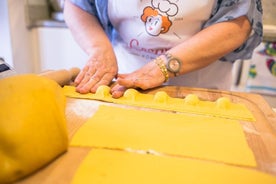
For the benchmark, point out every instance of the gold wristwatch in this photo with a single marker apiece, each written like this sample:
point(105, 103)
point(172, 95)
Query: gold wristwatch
point(168, 64)
point(173, 64)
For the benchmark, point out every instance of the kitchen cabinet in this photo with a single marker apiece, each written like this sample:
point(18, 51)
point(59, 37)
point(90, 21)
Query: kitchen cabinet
point(55, 48)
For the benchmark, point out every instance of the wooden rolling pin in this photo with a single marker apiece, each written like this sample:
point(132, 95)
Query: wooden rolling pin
point(62, 77)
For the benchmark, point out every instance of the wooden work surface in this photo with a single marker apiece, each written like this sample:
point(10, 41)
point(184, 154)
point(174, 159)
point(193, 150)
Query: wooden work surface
point(261, 135)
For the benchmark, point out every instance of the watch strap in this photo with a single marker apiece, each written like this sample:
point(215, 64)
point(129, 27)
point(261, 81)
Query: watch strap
point(160, 63)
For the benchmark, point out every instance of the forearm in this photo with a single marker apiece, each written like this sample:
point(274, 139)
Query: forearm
point(211, 44)
point(85, 29)
point(101, 66)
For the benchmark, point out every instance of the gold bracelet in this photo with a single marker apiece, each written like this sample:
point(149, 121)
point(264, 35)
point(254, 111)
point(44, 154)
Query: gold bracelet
point(160, 63)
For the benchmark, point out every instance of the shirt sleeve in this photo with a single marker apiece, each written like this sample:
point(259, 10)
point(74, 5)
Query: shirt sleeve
point(86, 5)
point(230, 9)
point(97, 8)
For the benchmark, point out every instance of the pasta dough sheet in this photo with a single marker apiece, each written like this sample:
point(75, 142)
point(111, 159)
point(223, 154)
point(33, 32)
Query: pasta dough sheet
point(106, 167)
point(200, 137)
point(222, 107)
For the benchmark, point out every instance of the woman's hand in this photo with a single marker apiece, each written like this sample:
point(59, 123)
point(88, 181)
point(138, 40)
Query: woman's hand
point(149, 76)
point(101, 66)
point(99, 70)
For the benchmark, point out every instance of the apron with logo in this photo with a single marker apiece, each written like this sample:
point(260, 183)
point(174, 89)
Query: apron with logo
point(148, 28)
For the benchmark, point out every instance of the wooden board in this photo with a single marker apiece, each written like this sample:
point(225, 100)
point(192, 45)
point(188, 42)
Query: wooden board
point(261, 135)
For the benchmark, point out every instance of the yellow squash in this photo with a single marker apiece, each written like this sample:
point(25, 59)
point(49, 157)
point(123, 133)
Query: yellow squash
point(32, 125)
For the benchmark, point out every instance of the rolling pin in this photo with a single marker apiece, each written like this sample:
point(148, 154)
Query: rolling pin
point(62, 77)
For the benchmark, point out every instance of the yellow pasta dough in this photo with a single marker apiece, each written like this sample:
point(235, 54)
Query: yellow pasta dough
point(201, 137)
point(32, 125)
point(223, 107)
point(106, 167)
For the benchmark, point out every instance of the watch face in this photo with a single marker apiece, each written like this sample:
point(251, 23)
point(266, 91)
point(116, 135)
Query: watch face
point(174, 65)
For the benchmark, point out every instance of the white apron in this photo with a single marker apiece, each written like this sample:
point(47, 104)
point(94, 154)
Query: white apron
point(146, 29)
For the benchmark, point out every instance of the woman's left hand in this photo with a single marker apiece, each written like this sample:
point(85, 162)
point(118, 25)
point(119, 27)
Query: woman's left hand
point(149, 76)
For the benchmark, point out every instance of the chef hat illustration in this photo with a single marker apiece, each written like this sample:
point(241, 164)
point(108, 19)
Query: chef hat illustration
point(165, 7)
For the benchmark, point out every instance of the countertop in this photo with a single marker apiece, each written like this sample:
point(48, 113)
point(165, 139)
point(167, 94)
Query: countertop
point(261, 135)
point(48, 23)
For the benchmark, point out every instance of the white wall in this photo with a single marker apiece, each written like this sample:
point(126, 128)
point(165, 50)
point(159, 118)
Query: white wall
point(15, 38)
point(20, 37)
point(56, 49)
point(5, 38)
point(37, 49)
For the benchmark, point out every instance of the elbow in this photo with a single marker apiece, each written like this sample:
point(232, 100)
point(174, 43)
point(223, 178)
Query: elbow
point(244, 29)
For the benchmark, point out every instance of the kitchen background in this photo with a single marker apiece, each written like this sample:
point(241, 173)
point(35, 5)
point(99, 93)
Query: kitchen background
point(34, 38)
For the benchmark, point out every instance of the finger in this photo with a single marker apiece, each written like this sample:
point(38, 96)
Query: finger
point(106, 80)
point(88, 81)
point(128, 83)
point(117, 91)
point(87, 85)
point(87, 77)
point(81, 75)
point(91, 84)
point(122, 76)
point(138, 83)
point(84, 76)
point(103, 79)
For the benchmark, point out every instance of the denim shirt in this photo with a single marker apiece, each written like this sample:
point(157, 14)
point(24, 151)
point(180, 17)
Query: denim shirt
point(224, 10)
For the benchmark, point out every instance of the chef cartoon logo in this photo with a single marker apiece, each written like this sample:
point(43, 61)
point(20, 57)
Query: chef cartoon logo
point(157, 16)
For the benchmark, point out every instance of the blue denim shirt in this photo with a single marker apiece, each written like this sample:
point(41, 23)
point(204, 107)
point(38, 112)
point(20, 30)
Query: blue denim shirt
point(224, 10)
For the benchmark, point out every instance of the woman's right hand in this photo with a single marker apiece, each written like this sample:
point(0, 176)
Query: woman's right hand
point(101, 66)
point(100, 69)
